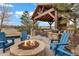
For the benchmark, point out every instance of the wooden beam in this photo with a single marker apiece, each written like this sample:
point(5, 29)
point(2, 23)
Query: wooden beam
point(46, 12)
point(56, 18)
point(35, 11)
point(51, 15)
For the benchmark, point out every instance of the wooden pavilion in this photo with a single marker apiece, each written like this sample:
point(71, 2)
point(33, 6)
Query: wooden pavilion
point(47, 13)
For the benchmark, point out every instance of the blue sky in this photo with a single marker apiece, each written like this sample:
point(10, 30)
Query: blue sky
point(17, 10)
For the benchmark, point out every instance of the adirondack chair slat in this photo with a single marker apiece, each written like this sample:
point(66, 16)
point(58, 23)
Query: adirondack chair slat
point(64, 41)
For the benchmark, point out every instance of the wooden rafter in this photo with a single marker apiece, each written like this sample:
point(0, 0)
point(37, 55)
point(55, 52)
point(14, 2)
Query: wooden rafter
point(46, 12)
point(51, 15)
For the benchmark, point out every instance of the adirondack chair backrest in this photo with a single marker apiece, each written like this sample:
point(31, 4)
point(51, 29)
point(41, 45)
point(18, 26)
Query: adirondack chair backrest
point(61, 39)
point(3, 37)
point(23, 35)
point(64, 39)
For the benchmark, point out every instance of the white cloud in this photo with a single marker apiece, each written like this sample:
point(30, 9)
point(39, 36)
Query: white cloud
point(18, 13)
point(8, 5)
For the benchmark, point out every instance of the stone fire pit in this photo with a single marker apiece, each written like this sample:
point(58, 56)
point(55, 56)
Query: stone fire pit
point(28, 44)
point(19, 48)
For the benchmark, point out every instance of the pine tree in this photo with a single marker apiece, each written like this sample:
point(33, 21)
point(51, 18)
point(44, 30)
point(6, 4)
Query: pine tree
point(27, 22)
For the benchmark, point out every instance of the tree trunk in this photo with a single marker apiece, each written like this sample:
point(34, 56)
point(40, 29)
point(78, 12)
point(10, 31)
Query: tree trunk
point(75, 26)
point(1, 25)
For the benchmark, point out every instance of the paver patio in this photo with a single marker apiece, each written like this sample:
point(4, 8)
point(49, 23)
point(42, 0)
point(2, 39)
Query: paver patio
point(48, 52)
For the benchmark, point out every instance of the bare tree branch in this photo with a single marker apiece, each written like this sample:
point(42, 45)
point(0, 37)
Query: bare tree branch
point(5, 13)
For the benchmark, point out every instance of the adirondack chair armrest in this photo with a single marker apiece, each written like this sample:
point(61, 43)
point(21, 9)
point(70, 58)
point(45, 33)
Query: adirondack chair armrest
point(12, 39)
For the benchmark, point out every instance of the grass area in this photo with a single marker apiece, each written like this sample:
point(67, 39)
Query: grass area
point(44, 27)
point(10, 31)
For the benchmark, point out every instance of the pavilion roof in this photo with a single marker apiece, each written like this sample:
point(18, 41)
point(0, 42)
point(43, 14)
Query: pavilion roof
point(44, 12)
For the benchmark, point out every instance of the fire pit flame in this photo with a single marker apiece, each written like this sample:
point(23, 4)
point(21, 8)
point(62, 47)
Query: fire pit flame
point(28, 44)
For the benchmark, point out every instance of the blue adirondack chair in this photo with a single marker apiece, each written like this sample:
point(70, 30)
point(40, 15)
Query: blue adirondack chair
point(54, 45)
point(24, 36)
point(59, 48)
point(4, 43)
